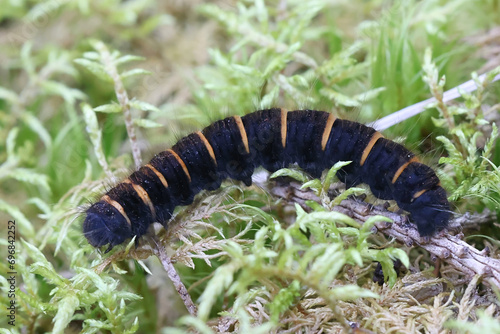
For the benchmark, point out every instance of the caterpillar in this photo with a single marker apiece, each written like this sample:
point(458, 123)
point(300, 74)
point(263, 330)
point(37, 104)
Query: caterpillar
point(271, 138)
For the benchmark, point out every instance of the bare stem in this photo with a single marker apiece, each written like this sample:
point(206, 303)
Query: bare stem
point(122, 96)
point(415, 109)
point(175, 278)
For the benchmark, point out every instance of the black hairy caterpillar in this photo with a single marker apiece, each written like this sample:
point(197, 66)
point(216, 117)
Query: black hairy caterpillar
point(273, 139)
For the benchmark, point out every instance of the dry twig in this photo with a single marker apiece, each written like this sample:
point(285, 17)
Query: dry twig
point(122, 96)
point(175, 278)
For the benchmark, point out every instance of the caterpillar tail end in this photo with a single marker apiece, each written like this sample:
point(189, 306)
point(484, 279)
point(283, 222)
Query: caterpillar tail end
point(104, 225)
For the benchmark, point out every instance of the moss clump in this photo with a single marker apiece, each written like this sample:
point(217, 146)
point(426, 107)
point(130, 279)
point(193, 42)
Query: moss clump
point(263, 264)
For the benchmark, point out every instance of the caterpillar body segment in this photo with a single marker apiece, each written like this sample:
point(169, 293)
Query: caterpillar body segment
point(272, 138)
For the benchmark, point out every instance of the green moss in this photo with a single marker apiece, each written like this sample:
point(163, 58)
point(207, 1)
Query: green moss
point(65, 141)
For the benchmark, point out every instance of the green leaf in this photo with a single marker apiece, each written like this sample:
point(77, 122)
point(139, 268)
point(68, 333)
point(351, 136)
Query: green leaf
point(331, 217)
point(134, 328)
point(109, 108)
point(70, 95)
point(144, 106)
point(332, 173)
point(95, 134)
point(219, 283)
point(355, 255)
point(349, 192)
point(127, 59)
point(143, 265)
point(285, 298)
point(26, 59)
point(29, 176)
point(327, 266)
point(97, 69)
point(66, 308)
point(41, 205)
point(339, 98)
point(450, 148)
point(293, 173)
point(146, 123)
point(23, 223)
point(42, 266)
point(134, 72)
point(36, 125)
point(370, 222)
point(398, 253)
point(269, 100)
point(9, 96)
point(369, 95)
point(91, 55)
point(314, 185)
point(10, 143)
point(352, 292)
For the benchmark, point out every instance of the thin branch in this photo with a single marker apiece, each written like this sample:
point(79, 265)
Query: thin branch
point(175, 278)
point(413, 110)
point(122, 96)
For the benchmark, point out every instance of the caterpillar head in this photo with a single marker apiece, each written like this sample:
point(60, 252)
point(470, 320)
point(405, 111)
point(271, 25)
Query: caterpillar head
point(105, 225)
